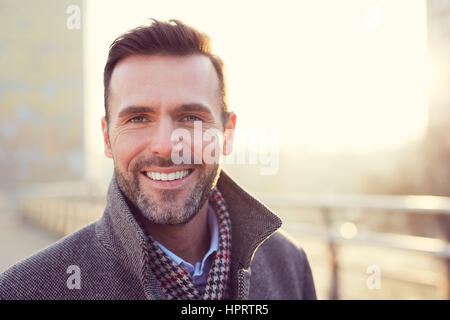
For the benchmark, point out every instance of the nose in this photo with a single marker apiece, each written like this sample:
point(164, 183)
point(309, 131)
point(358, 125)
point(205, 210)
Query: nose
point(161, 139)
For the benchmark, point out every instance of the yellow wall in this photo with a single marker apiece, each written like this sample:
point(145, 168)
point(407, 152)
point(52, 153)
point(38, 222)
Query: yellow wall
point(41, 93)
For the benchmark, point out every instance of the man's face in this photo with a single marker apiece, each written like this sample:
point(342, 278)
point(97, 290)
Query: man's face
point(151, 97)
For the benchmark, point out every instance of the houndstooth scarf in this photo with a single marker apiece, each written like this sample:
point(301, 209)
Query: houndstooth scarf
point(177, 283)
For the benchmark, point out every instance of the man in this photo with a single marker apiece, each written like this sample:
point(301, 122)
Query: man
point(175, 226)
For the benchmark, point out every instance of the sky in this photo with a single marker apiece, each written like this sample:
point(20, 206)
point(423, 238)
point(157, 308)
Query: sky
point(324, 75)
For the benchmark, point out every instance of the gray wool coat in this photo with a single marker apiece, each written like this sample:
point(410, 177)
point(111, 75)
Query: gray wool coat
point(111, 258)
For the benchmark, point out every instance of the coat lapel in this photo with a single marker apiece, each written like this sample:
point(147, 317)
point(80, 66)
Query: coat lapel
point(251, 224)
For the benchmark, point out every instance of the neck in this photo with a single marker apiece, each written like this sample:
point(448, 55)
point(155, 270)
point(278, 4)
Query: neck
point(188, 241)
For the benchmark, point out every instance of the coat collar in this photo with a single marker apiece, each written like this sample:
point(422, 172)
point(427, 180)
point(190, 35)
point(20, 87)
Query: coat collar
point(118, 231)
point(251, 221)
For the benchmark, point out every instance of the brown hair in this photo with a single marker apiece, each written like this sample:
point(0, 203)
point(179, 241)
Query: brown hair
point(163, 38)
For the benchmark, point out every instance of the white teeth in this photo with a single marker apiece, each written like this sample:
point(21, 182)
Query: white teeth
point(167, 177)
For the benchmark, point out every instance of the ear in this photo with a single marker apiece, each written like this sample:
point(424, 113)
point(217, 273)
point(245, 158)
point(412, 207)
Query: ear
point(230, 126)
point(107, 146)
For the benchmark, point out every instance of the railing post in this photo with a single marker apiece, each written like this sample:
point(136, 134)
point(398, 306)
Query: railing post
point(334, 286)
point(445, 224)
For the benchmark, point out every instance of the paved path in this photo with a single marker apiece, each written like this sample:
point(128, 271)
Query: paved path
point(18, 238)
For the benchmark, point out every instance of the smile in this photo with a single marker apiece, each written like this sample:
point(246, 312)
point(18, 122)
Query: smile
point(161, 176)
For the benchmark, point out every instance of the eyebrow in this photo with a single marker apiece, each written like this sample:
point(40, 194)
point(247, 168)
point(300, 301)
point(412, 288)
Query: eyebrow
point(135, 109)
point(189, 107)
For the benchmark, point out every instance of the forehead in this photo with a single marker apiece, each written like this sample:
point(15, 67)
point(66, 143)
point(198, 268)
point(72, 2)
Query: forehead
point(164, 82)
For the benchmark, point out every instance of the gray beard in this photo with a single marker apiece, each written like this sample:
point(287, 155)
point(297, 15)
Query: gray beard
point(163, 212)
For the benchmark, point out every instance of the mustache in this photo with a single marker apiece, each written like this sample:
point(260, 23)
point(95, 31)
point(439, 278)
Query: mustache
point(157, 162)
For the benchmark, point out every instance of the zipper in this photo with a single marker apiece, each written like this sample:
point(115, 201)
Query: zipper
point(242, 294)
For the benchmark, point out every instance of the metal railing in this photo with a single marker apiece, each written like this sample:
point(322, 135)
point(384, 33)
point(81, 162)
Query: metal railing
point(327, 204)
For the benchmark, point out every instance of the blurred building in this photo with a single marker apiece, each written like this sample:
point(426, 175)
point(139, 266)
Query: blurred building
point(436, 147)
point(41, 92)
point(439, 58)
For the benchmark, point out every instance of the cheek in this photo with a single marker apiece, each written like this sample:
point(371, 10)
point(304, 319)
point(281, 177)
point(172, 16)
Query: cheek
point(127, 147)
point(212, 146)
point(200, 147)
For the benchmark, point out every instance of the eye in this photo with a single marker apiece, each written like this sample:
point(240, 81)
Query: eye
point(137, 119)
point(191, 118)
